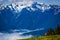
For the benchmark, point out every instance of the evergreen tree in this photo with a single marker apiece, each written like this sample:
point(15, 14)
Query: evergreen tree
point(50, 32)
point(58, 29)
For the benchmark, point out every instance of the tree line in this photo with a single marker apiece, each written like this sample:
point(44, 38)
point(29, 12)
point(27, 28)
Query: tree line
point(54, 32)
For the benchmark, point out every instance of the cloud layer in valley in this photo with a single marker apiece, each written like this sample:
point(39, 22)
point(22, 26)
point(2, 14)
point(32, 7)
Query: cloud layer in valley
point(12, 36)
point(17, 34)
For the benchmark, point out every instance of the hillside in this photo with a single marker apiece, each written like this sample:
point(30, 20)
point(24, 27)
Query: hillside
point(53, 37)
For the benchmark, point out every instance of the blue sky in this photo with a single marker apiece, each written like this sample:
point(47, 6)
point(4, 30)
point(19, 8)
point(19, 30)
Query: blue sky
point(57, 2)
point(49, 1)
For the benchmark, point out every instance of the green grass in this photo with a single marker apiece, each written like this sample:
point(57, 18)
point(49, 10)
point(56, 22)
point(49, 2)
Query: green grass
point(53, 37)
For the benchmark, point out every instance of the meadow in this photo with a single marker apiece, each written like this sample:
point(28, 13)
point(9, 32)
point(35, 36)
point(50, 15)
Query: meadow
point(52, 37)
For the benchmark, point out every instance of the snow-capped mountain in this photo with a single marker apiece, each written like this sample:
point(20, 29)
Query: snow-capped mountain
point(31, 7)
point(28, 16)
point(14, 6)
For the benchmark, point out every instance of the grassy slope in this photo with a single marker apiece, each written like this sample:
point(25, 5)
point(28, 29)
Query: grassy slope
point(54, 37)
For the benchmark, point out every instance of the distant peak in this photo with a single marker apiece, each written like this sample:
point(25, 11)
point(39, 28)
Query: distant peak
point(30, 6)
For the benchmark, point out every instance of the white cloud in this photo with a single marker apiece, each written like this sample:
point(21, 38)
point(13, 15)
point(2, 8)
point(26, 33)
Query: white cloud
point(22, 31)
point(12, 36)
point(11, 0)
point(1, 0)
point(21, 1)
point(17, 34)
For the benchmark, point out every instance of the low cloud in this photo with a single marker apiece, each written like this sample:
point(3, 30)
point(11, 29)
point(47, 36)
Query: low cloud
point(22, 31)
point(17, 34)
point(12, 36)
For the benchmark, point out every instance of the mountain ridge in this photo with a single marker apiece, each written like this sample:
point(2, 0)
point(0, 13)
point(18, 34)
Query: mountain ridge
point(30, 17)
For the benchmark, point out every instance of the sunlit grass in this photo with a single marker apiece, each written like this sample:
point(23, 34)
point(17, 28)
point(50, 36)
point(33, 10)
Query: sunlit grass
point(52, 37)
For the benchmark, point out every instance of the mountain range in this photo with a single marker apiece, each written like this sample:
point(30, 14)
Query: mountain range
point(33, 16)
